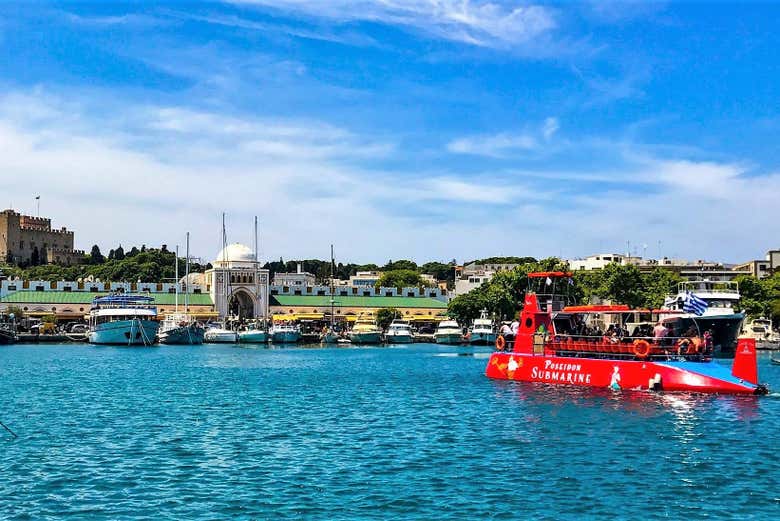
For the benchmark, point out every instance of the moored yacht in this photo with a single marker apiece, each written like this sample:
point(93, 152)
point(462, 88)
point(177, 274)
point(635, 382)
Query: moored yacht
point(285, 334)
point(123, 320)
point(482, 332)
point(180, 328)
point(761, 330)
point(220, 335)
point(399, 332)
point(448, 332)
point(365, 331)
point(720, 317)
point(253, 333)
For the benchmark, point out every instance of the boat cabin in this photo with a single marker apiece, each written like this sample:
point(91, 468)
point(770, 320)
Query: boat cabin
point(548, 326)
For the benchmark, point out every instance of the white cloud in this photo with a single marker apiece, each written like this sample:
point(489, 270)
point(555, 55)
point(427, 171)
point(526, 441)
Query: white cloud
point(148, 174)
point(478, 22)
point(506, 144)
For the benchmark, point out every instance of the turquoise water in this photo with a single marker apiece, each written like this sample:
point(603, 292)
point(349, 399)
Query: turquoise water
point(222, 432)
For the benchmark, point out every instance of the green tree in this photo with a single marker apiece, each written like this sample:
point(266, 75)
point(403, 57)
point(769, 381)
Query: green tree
point(119, 253)
point(386, 315)
point(503, 295)
point(401, 279)
point(35, 258)
point(439, 270)
point(400, 265)
point(95, 257)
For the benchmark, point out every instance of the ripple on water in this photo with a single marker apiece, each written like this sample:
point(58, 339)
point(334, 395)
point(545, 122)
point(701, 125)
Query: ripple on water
point(219, 432)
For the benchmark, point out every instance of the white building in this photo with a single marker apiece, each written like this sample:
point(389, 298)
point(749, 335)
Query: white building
point(237, 283)
point(296, 280)
point(365, 278)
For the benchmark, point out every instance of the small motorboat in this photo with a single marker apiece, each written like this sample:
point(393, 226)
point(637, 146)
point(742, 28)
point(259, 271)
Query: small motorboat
point(774, 361)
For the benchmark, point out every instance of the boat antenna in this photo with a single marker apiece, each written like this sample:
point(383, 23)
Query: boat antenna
point(225, 274)
point(9, 430)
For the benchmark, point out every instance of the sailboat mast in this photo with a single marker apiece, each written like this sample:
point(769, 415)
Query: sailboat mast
point(176, 278)
point(225, 273)
point(256, 274)
point(332, 285)
point(187, 277)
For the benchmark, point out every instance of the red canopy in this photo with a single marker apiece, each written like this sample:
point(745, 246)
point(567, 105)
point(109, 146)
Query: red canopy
point(551, 274)
point(622, 308)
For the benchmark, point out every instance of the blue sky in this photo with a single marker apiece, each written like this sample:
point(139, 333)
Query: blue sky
point(429, 129)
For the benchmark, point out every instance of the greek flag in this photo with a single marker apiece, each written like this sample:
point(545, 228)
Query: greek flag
point(694, 304)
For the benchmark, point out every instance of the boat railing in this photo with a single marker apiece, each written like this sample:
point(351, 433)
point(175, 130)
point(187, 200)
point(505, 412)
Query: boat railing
point(629, 347)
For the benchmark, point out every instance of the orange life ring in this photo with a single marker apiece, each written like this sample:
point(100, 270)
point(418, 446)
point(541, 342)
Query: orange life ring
point(641, 348)
point(500, 343)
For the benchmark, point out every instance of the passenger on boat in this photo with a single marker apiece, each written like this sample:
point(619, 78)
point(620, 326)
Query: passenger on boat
point(515, 326)
point(505, 330)
point(660, 332)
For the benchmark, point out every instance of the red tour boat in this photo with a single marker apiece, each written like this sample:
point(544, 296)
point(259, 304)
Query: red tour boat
point(614, 347)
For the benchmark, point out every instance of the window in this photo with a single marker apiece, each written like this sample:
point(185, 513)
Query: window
point(171, 290)
point(38, 288)
point(94, 289)
point(67, 289)
point(388, 293)
point(196, 291)
point(21, 245)
point(298, 292)
point(343, 293)
point(321, 293)
point(366, 293)
point(11, 288)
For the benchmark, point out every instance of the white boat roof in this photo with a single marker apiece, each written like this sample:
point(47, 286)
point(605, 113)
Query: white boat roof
point(124, 312)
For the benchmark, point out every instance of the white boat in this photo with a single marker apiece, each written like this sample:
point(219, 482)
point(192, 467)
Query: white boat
point(123, 320)
point(761, 330)
point(220, 335)
point(720, 317)
point(448, 332)
point(329, 336)
point(181, 329)
point(365, 331)
point(285, 334)
point(482, 331)
point(253, 333)
point(399, 332)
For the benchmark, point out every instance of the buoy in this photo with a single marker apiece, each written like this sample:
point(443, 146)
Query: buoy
point(500, 343)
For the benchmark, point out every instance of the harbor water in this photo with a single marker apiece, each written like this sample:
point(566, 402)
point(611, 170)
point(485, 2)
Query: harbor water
point(413, 432)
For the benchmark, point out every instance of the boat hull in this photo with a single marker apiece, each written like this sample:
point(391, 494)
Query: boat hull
point(184, 335)
point(124, 332)
point(285, 337)
point(398, 339)
point(673, 376)
point(220, 337)
point(366, 338)
point(7, 337)
point(329, 338)
point(253, 337)
point(448, 338)
point(482, 339)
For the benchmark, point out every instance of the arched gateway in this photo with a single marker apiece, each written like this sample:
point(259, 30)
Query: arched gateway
point(238, 286)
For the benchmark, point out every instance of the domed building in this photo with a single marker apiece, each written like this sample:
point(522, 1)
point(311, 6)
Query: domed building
point(237, 283)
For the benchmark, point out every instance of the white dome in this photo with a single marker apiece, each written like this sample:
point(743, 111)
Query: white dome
point(235, 253)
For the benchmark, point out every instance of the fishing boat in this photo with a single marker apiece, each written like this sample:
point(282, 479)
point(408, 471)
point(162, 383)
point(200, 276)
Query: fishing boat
point(123, 319)
point(399, 332)
point(561, 344)
point(253, 333)
point(285, 334)
point(482, 332)
point(181, 328)
point(219, 334)
point(720, 317)
point(761, 330)
point(365, 331)
point(448, 332)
